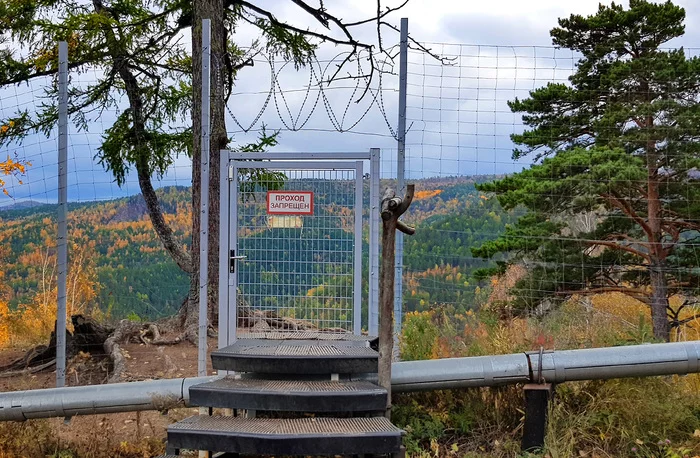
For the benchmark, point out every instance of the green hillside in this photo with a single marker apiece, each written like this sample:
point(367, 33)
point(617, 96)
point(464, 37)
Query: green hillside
point(133, 276)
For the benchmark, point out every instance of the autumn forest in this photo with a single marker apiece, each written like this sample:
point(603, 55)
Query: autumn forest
point(118, 268)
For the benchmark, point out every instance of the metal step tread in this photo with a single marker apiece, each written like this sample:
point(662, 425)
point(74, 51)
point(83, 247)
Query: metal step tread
point(262, 349)
point(256, 385)
point(299, 436)
point(294, 427)
point(296, 357)
point(290, 395)
point(304, 335)
point(217, 455)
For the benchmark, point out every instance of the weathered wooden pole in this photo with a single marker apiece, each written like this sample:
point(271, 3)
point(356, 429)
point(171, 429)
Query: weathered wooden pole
point(392, 208)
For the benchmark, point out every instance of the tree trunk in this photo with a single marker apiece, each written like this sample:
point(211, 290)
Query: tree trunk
point(659, 302)
point(136, 105)
point(214, 10)
point(155, 213)
point(657, 279)
point(386, 307)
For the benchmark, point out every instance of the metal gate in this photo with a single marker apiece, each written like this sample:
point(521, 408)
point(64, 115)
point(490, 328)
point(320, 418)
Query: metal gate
point(292, 238)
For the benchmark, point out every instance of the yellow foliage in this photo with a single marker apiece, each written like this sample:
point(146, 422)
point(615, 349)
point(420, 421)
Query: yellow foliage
point(33, 322)
point(620, 306)
point(631, 409)
point(11, 167)
point(4, 325)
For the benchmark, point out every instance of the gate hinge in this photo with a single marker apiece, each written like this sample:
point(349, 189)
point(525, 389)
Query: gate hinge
point(230, 173)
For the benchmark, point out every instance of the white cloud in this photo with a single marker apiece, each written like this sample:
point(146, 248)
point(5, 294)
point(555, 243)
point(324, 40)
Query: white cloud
point(459, 119)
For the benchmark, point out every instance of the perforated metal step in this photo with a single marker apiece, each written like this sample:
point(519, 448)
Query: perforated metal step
point(301, 436)
point(305, 335)
point(216, 455)
point(301, 357)
point(290, 395)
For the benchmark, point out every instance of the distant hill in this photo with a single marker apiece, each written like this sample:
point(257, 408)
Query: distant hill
point(116, 244)
point(134, 276)
point(21, 205)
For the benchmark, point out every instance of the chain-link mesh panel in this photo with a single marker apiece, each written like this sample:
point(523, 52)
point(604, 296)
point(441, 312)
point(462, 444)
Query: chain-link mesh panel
point(298, 265)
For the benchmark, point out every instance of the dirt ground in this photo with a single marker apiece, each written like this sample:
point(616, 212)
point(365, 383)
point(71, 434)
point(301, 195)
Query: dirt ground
point(123, 434)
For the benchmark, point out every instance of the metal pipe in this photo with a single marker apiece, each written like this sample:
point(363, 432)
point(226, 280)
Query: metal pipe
point(373, 300)
point(97, 399)
point(438, 374)
point(442, 374)
point(357, 252)
point(617, 362)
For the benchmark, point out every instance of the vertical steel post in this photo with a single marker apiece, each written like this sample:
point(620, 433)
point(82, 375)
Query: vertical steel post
point(373, 307)
point(62, 212)
point(400, 170)
point(204, 218)
point(233, 249)
point(357, 253)
point(224, 230)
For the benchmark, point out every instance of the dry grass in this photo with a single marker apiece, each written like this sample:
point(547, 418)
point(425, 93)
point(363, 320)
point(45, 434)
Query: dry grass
point(588, 419)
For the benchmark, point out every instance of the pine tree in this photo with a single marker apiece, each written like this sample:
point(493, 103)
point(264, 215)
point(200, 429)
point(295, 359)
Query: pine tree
point(613, 197)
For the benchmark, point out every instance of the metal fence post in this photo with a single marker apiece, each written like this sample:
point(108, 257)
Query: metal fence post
point(400, 168)
point(204, 192)
point(373, 308)
point(224, 189)
point(357, 253)
point(62, 254)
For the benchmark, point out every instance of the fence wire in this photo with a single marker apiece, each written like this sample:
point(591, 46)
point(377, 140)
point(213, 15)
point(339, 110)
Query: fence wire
point(459, 137)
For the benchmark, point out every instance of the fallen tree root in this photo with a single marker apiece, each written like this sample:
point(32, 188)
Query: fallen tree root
point(263, 320)
point(28, 371)
point(124, 331)
point(92, 337)
point(155, 337)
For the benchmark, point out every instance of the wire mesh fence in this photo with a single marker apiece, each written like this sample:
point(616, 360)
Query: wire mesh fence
point(299, 254)
point(544, 112)
point(587, 219)
point(117, 266)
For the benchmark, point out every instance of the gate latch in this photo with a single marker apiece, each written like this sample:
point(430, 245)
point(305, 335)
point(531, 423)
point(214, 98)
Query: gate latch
point(232, 261)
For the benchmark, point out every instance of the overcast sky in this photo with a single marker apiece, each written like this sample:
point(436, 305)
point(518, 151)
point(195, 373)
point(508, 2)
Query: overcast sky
point(458, 119)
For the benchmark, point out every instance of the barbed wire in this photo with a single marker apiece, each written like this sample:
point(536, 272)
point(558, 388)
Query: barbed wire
point(315, 93)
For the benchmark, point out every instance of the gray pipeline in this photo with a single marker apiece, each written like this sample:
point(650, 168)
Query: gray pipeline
point(548, 366)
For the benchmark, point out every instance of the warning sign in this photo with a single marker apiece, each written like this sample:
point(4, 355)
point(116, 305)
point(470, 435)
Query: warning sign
point(290, 203)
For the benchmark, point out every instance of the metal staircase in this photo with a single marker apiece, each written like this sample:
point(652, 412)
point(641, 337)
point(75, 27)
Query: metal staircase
point(292, 395)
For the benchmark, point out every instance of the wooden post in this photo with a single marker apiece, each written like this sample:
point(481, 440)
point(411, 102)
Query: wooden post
point(392, 208)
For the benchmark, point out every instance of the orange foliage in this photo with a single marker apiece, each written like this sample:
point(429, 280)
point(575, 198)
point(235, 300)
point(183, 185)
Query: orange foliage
point(11, 167)
point(4, 318)
point(4, 325)
point(426, 194)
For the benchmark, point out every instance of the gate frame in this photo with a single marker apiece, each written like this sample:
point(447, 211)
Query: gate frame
point(227, 329)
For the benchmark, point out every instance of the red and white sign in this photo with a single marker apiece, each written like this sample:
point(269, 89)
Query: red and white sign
point(290, 203)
